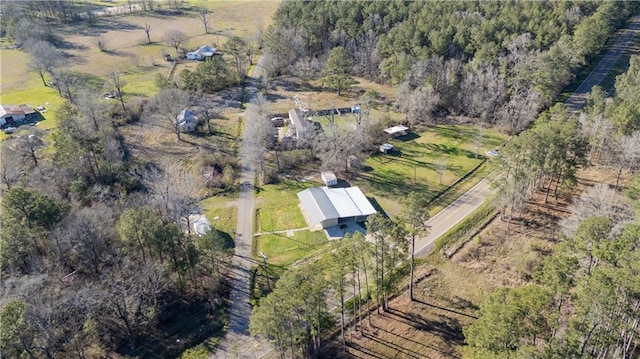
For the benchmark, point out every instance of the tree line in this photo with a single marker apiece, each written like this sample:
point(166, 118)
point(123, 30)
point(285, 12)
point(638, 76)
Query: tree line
point(500, 62)
point(584, 301)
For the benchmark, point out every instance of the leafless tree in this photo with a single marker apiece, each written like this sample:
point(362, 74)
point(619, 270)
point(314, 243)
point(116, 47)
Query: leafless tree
point(441, 167)
point(44, 57)
point(597, 201)
point(167, 105)
point(175, 38)
point(11, 165)
point(84, 240)
point(92, 107)
point(28, 144)
point(118, 84)
point(175, 193)
point(482, 91)
point(259, 134)
point(147, 30)
point(625, 154)
point(67, 83)
point(477, 138)
point(418, 104)
point(599, 130)
point(204, 15)
point(521, 109)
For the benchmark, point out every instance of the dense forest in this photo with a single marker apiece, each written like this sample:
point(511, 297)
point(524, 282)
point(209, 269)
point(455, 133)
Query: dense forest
point(501, 62)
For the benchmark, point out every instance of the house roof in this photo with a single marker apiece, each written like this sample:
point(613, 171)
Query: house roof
point(186, 116)
point(395, 129)
point(322, 203)
point(16, 110)
point(298, 121)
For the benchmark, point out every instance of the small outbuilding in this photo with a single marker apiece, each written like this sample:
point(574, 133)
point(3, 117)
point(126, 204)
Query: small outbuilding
point(186, 121)
point(329, 178)
point(396, 131)
point(14, 116)
point(386, 147)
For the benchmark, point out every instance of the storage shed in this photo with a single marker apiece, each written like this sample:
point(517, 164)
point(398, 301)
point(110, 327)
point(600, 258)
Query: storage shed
point(329, 178)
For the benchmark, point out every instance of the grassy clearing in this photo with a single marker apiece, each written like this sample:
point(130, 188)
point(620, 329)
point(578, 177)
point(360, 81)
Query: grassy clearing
point(417, 159)
point(277, 206)
point(221, 212)
point(282, 250)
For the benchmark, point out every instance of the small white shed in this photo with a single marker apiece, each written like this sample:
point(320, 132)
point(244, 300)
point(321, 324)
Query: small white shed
point(329, 178)
point(386, 147)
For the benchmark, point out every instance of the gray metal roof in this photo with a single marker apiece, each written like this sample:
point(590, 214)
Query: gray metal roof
point(322, 203)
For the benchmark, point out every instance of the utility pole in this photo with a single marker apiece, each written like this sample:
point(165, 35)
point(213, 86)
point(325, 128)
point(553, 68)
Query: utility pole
point(266, 274)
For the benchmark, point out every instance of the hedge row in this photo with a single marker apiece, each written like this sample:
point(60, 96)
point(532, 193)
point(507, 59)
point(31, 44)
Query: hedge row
point(462, 232)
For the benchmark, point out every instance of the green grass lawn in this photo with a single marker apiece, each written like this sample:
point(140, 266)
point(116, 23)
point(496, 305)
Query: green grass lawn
point(277, 206)
point(415, 162)
point(282, 250)
point(224, 209)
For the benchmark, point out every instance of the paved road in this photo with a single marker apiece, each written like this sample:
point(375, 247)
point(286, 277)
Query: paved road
point(451, 215)
point(238, 343)
point(578, 99)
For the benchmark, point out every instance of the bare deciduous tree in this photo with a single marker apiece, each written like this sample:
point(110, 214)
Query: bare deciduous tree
point(44, 57)
point(147, 31)
point(597, 201)
point(175, 38)
point(92, 107)
point(168, 104)
point(204, 15)
point(11, 165)
point(118, 84)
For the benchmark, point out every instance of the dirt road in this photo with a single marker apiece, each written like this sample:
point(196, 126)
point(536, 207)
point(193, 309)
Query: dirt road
point(451, 215)
point(578, 98)
point(238, 343)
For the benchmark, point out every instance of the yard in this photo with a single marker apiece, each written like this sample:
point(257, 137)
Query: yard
point(428, 162)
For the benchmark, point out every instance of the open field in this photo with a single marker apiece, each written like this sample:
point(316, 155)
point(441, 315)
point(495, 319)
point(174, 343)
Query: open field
point(428, 162)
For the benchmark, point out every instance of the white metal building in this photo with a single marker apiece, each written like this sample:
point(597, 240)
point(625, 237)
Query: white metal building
point(326, 207)
point(396, 131)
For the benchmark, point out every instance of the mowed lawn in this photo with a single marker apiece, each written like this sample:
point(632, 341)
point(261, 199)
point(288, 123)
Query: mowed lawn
point(282, 250)
point(428, 162)
point(277, 206)
point(222, 213)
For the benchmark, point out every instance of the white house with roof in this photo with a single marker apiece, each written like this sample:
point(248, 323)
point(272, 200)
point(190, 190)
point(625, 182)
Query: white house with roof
point(187, 121)
point(202, 53)
point(326, 207)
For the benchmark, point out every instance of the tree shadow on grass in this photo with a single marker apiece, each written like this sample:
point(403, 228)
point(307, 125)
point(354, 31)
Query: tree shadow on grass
point(449, 329)
point(408, 137)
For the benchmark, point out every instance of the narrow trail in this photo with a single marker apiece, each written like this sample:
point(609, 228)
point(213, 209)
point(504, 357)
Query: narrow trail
point(238, 343)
